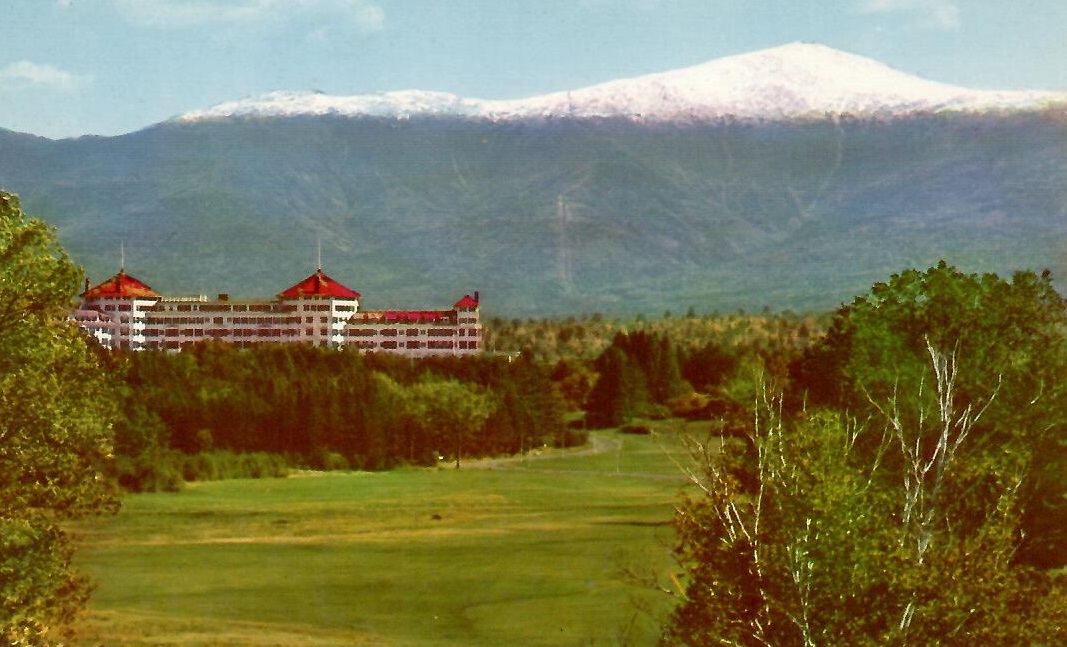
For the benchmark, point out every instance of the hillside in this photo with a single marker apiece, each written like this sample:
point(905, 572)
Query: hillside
point(554, 216)
point(791, 177)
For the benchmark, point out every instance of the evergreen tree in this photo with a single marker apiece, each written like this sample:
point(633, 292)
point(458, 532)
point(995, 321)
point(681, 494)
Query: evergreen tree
point(620, 391)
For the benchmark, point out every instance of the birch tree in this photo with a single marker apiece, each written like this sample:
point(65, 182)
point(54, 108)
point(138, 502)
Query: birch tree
point(996, 336)
point(897, 505)
point(796, 537)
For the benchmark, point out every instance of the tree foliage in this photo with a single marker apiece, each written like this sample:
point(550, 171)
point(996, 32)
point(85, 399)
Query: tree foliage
point(56, 408)
point(450, 410)
point(325, 408)
point(892, 498)
point(799, 538)
point(1006, 338)
point(638, 374)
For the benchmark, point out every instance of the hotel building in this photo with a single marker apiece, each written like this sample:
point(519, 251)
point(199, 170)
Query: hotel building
point(123, 312)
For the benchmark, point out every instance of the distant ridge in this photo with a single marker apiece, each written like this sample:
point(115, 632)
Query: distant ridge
point(719, 186)
point(794, 81)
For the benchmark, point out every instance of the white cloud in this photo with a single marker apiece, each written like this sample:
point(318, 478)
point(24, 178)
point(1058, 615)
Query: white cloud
point(363, 14)
point(929, 14)
point(46, 76)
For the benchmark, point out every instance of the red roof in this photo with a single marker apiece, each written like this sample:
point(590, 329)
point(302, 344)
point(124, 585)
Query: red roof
point(466, 302)
point(120, 286)
point(319, 285)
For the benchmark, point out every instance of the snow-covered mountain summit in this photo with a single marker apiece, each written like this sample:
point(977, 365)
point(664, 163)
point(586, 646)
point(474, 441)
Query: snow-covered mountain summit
point(407, 103)
point(795, 81)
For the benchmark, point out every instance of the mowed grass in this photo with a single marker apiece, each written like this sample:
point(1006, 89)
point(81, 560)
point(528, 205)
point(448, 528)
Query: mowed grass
point(660, 454)
point(562, 550)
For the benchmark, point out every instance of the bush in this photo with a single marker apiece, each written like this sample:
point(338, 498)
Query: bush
point(691, 406)
point(222, 465)
point(153, 471)
point(327, 460)
point(572, 437)
point(163, 470)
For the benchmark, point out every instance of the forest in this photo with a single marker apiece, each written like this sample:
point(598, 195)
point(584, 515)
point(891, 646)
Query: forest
point(215, 411)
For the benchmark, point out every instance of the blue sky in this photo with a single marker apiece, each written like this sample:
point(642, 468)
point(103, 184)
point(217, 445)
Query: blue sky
point(74, 67)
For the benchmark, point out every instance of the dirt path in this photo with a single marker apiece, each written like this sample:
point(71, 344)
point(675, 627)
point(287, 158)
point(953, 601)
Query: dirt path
point(598, 444)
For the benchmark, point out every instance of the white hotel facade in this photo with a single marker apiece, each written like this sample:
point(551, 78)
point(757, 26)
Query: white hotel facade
point(125, 313)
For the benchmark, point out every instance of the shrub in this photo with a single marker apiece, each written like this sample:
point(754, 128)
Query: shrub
point(153, 471)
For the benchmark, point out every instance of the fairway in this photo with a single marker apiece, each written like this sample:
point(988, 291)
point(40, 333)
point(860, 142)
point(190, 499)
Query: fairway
point(556, 549)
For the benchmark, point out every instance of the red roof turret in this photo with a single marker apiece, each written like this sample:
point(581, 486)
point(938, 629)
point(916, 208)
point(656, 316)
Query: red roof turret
point(318, 285)
point(467, 302)
point(120, 286)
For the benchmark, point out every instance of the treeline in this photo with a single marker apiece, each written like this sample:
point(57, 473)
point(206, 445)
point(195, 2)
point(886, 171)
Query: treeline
point(326, 409)
point(584, 338)
point(644, 374)
point(214, 411)
point(693, 366)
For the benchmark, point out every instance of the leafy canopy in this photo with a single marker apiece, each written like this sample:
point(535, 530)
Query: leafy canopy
point(56, 407)
point(904, 495)
point(1008, 338)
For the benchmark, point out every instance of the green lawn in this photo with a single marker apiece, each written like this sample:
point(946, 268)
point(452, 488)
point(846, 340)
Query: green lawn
point(559, 550)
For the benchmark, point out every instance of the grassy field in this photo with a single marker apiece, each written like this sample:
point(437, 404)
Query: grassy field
point(551, 550)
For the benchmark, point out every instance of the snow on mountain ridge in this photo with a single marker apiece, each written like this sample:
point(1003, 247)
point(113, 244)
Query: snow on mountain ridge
point(798, 80)
point(795, 80)
point(386, 104)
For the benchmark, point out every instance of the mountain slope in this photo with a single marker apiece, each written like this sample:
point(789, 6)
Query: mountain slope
point(790, 178)
point(554, 217)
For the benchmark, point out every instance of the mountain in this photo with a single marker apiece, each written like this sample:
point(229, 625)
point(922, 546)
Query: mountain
point(559, 213)
point(795, 81)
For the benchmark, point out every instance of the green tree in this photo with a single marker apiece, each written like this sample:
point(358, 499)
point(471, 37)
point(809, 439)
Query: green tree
point(708, 367)
point(56, 408)
point(637, 375)
point(1005, 338)
point(796, 537)
point(394, 412)
point(898, 505)
point(620, 391)
point(454, 412)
